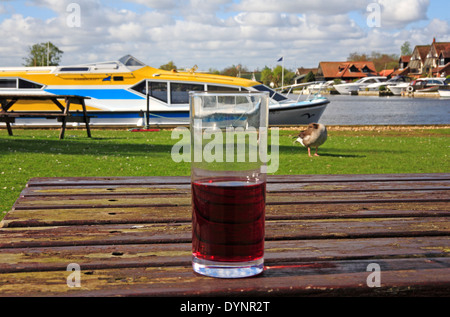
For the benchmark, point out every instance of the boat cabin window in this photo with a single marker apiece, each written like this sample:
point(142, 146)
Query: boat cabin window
point(74, 69)
point(14, 83)
point(8, 83)
point(157, 90)
point(180, 92)
point(274, 95)
point(223, 88)
point(25, 84)
point(129, 60)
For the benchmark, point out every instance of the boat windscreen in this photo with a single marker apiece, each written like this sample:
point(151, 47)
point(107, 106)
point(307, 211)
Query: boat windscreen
point(129, 60)
point(274, 95)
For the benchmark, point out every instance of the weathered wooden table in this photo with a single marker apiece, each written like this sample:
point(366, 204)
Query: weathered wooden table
point(326, 235)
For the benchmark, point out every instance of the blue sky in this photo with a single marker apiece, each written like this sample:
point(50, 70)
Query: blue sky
point(219, 33)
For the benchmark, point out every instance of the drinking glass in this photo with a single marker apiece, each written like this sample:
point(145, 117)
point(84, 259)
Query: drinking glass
point(228, 182)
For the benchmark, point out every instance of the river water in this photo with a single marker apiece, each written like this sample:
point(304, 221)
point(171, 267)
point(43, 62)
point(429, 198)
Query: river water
point(366, 110)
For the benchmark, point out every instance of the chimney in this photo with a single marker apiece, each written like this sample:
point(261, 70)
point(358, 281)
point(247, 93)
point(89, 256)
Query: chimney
point(434, 40)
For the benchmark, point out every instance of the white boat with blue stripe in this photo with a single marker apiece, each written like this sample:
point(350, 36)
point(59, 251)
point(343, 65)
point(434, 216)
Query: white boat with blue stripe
point(129, 93)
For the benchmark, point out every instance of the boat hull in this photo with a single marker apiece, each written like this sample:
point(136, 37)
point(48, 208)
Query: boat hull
point(309, 111)
point(397, 90)
point(444, 93)
point(346, 89)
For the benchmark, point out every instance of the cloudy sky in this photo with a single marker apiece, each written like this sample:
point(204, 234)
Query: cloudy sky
point(219, 33)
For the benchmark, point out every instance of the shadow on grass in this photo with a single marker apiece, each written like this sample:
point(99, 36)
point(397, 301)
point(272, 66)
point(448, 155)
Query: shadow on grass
point(341, 155)
point(94, 146)
point(337, 152)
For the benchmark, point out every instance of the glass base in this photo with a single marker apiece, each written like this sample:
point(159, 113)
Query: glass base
point(227, 269)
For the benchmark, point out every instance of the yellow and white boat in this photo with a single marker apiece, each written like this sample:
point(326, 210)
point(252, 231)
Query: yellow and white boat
point(121, 92)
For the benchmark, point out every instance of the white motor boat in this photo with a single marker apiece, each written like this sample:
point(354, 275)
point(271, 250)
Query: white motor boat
point(444, 91)
point(426, 85)
point(345, 89)
point(321, 86)
point(398, 89)
point(391, 82)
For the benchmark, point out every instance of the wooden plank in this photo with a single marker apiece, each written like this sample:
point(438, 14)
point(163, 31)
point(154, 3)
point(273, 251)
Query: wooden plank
point(7, 119)
point(78, 119)
point(106, 181)
point(271, 188)
point(162, 214)
point(184, 199)
point(51, 115)
point(179, 254)
point(337, 278)
point(181, 232)
point(39, 96)
point(82, 181)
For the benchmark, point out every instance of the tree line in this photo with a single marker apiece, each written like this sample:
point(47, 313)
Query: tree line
point(47, 54)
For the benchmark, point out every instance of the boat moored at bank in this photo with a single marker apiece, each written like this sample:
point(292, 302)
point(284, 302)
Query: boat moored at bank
point(128, 92)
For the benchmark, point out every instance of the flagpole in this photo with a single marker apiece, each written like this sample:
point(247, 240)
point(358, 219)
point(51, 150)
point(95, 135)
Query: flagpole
point(282, 71)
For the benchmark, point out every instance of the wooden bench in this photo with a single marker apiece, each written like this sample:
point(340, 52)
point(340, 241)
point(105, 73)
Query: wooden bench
point(64, 115)
point(326, 235)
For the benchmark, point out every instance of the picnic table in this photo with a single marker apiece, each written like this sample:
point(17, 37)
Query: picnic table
point(62, 113)
point(326, 235)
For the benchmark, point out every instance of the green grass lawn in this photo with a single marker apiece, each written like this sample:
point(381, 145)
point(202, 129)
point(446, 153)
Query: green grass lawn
point(39, 153)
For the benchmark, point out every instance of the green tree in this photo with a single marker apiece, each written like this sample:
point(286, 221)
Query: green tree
point(406, 49)
point(356, 57)
point(234, 70)
point(213, 71)
point(266, 76)
point(275, 76)
point(310, 77)
point(381, 61)
point(169, 66)
point(43, 54)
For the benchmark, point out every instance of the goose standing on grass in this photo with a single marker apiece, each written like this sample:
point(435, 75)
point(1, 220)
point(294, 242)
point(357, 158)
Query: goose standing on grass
point(315, 135)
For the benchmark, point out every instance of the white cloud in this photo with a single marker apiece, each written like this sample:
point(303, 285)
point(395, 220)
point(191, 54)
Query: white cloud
point(400, 13)
point(324, 7)
point(218, 33)
point(158, 4)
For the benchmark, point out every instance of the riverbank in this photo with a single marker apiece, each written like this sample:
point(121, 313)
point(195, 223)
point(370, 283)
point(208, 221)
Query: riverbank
point(415, 94)
point(377, 128)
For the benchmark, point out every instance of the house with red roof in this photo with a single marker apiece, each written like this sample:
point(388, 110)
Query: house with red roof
point(436, 58)
point(403, 66)
point(347, 71)
point(417, 61)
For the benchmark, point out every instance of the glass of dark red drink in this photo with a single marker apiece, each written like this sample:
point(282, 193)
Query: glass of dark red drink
point(228, 179)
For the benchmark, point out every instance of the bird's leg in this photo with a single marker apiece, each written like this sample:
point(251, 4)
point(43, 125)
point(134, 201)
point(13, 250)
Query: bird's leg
point(309, 152)
point(317, 148)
